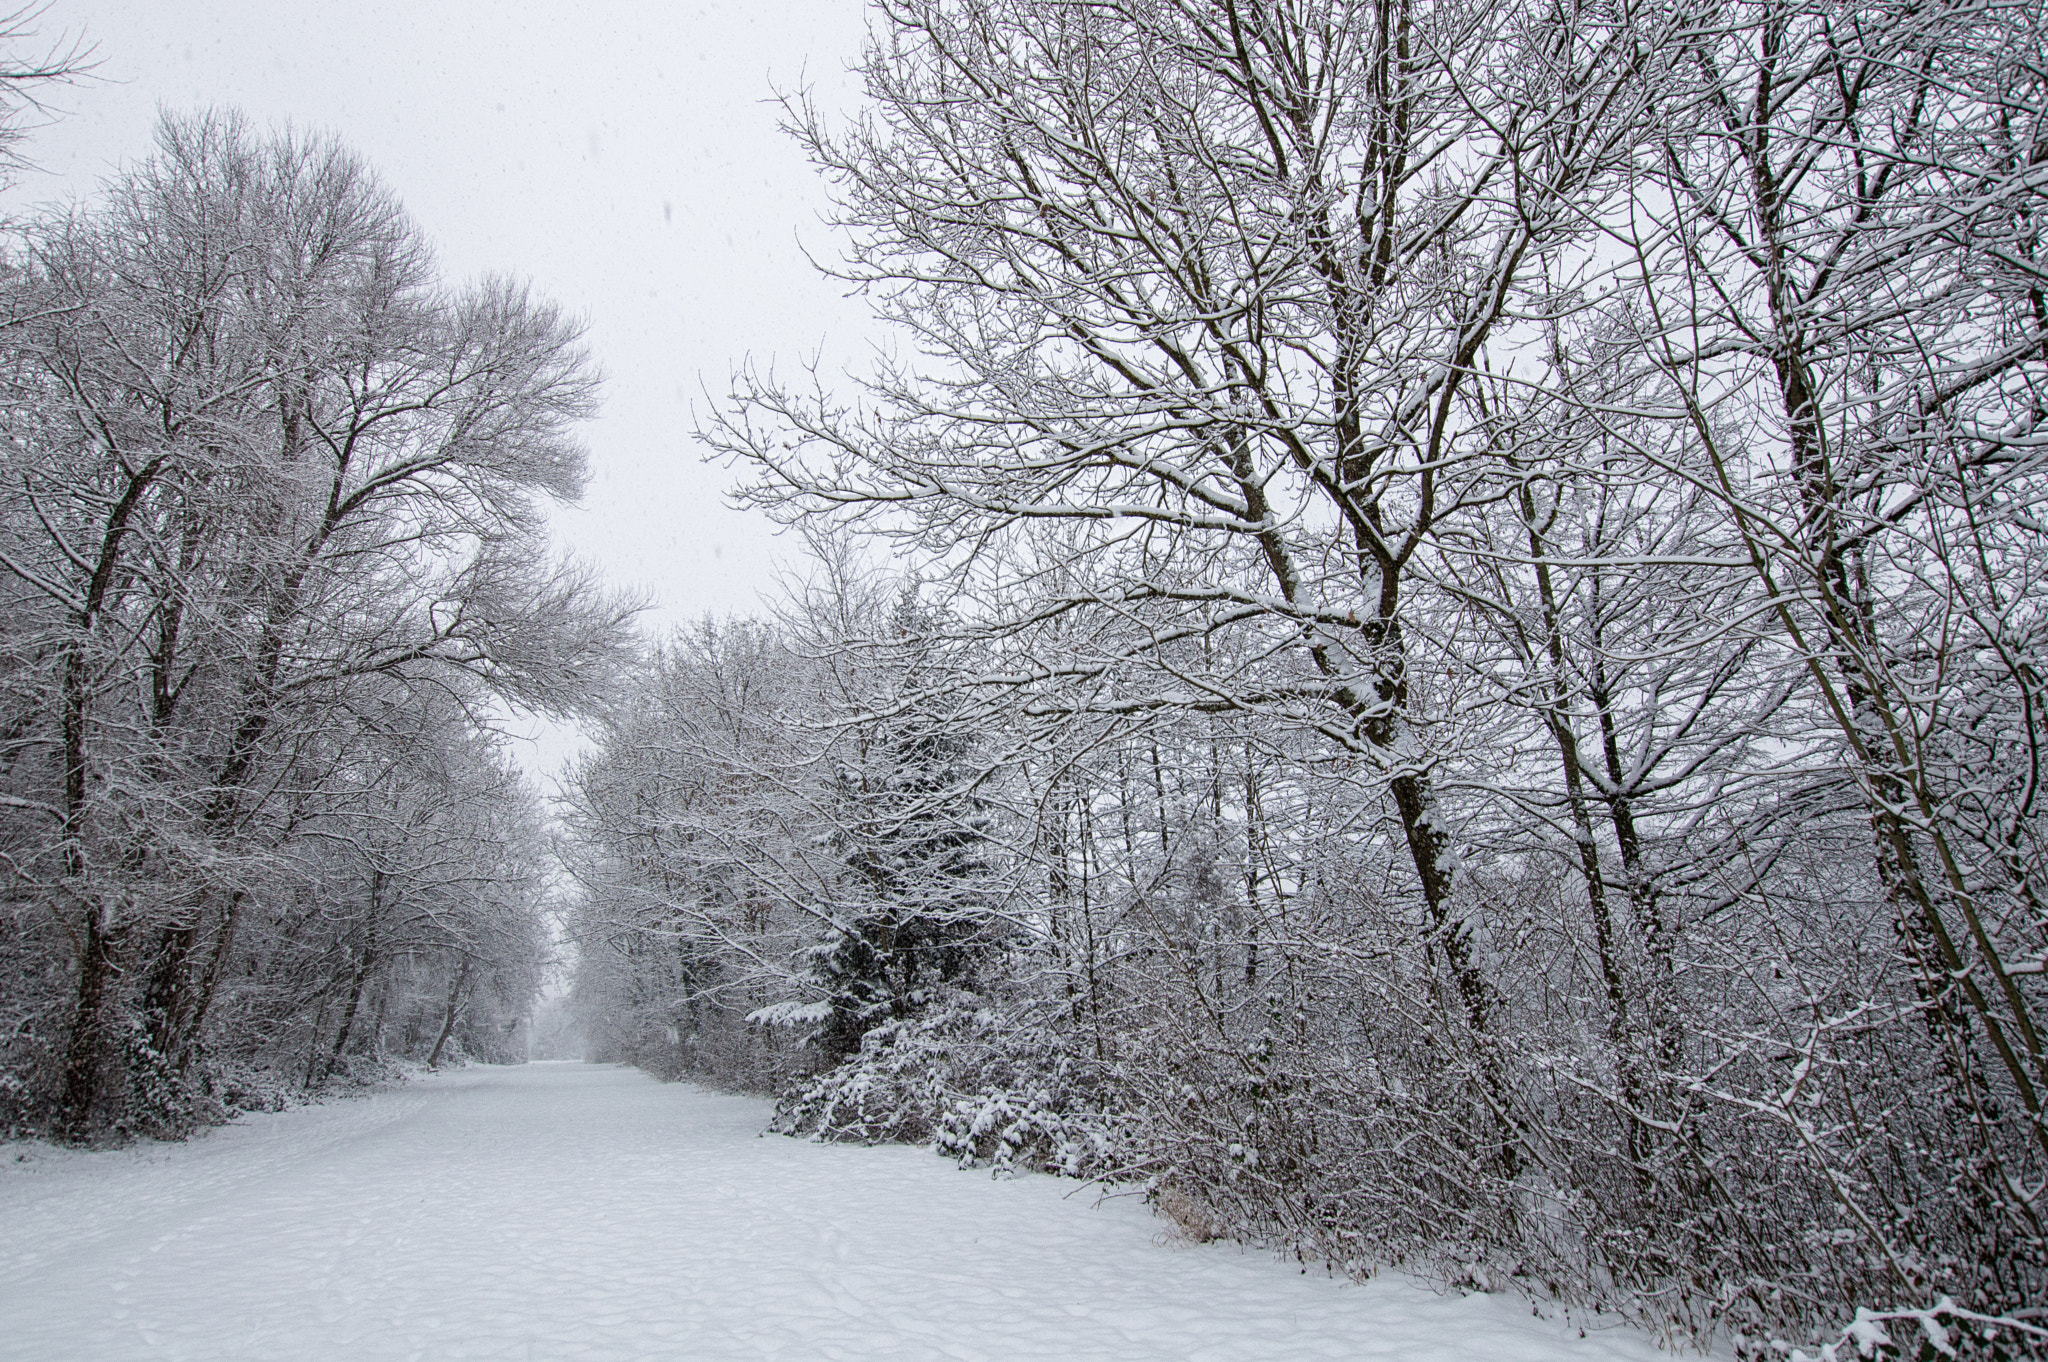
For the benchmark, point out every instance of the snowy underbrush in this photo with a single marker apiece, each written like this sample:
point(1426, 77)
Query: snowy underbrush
point(159, 1102)
point(981, 1086)
point(241, 1085)
point(1943, 1330)
point(156, 1101)
point(725, 1057)
point(24, 1060)
point(1362, 1163)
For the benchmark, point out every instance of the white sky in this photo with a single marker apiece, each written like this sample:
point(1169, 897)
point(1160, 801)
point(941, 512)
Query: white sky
point(621, 155)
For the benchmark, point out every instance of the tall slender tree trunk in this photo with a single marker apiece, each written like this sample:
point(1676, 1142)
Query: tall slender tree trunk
point(1560, 718)
point(455, 992)
point(209, 979)
point(364, 966)
point(85, 1053)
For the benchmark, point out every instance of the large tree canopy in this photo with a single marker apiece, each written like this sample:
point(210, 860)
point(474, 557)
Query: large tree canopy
point(271, 511)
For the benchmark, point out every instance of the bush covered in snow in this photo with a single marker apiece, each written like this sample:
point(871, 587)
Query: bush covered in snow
point(984, 1087)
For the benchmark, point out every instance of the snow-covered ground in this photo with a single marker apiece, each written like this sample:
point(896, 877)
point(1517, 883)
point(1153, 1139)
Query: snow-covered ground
point(572, 1211)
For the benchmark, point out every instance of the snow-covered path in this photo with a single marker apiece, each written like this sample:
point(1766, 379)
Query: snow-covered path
point(571, 1211)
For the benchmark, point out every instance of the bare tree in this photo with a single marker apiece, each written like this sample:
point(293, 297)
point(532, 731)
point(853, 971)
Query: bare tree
point(1836, 294)
point(265, 470)
point(32, 65)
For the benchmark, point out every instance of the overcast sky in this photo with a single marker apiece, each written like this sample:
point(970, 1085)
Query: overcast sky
point(621, 155)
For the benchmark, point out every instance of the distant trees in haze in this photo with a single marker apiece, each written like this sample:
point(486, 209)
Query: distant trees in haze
point(757, 846)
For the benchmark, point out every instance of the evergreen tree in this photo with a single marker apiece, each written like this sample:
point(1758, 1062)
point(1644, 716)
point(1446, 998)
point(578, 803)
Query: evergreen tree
point(913, 835)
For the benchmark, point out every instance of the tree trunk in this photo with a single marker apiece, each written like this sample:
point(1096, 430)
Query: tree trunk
point(363, 969)
point(348, 1015)
point(88, 1032)
point(209, 981)
point(96, 962)
point(166, 996)
point(455, 992)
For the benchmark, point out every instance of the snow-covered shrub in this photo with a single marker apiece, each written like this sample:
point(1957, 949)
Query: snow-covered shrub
point(160, 1102)
point(986, 1088)
point(241, 1086)
point(1943, 1330)
point(1051, 1125)
point(33, 988)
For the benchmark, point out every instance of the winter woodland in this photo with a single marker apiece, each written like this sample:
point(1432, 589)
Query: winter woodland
point(270, 520)
point(1431, 645)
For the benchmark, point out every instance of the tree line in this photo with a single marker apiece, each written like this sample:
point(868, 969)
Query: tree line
point(273, 554)
point(1432, 643)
